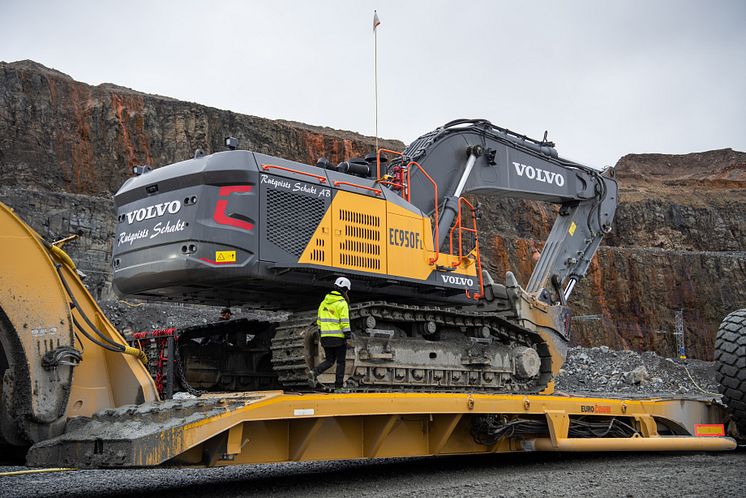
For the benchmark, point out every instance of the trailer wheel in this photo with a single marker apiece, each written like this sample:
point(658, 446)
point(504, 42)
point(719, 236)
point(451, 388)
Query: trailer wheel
point(730, 358)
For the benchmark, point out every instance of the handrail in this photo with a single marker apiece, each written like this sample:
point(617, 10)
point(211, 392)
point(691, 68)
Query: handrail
point(374, 190)
point(378, 160)
point(435, 188)
point(459, 225)
point(461, 229)
point(267, 167)
point(392, 184)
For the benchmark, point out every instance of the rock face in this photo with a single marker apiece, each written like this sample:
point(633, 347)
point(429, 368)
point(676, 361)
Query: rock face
point(679, 238)
point(60, 134)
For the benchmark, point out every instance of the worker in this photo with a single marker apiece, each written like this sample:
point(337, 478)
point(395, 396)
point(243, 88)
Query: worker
point(334, 326)
point(225, 314)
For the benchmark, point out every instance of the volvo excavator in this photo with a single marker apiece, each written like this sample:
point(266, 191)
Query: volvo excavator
point(443, 360)
point(244, 228)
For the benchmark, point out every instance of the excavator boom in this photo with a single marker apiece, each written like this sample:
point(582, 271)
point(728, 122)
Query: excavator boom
point(475, 156)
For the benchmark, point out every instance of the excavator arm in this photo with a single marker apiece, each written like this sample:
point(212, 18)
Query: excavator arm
point(475, 156)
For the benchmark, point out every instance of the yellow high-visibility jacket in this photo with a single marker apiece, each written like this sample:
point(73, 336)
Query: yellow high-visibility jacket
point(334, 316)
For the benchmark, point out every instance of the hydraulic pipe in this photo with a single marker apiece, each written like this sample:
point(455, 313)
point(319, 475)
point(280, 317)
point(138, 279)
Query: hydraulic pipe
point(569, 288)
point(467, 171)
point(668, 443)
point(450, 207)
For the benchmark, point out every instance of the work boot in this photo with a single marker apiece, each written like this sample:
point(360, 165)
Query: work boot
point(312, 380)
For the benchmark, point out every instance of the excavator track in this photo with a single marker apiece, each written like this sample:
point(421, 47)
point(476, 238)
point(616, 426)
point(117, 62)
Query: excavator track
point(389, 342)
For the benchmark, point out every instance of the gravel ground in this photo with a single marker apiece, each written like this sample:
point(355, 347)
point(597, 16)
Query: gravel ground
point(658, 474)
point(604, 370)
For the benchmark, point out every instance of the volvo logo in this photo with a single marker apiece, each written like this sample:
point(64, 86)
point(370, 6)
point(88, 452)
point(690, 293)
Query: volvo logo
point(452, 279)
point(538, 174)
point(151, 212)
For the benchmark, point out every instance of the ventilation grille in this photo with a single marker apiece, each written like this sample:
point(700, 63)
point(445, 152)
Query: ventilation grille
point(360, 246)
point(292, 220)
point(318, 254)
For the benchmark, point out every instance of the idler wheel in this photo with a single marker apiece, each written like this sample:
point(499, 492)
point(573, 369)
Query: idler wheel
point(527, 362)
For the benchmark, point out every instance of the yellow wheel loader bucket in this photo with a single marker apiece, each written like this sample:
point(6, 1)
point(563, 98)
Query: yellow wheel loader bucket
point(59, 355)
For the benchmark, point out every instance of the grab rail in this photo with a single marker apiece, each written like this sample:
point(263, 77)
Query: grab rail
point(378, 160)
point(374, 190)
point(473, 230)
point(267, 167)
point(435, 189)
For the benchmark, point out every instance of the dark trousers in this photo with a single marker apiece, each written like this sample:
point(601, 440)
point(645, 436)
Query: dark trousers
point(334, 354)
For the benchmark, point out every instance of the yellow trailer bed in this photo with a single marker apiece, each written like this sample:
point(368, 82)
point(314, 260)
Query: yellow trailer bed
point(265, 427)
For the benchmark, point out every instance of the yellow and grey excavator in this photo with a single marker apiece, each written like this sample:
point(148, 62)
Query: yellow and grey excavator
point(243, 228)
point(443, 360)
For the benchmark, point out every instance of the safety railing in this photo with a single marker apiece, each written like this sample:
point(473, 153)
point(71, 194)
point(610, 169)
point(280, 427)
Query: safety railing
point(461, 229)
point(378, 159)
point(357, 185)
point(396, 183)
point(435, 197)
point(267, 167)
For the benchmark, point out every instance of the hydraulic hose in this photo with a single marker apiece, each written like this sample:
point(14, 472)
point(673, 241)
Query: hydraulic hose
point(107, 343)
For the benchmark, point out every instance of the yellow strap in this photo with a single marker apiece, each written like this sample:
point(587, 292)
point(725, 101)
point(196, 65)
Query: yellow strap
point(62, 256)
point(34, 471)
point(332, 334)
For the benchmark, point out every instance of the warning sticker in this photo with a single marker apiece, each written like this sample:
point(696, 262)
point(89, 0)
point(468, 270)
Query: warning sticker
point(573, 226)
point(709, 430)
point(225, 256)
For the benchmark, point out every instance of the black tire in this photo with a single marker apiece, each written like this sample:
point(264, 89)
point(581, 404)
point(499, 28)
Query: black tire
point(730, 358)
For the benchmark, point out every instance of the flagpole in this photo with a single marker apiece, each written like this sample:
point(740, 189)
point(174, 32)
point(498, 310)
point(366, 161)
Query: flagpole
point(375, 63)
point(375, 68)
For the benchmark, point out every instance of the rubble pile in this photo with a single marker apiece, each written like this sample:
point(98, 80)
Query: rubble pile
point(152, 316)
point(604, 370)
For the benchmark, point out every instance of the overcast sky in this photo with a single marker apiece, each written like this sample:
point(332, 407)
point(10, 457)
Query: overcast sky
point(605, 78)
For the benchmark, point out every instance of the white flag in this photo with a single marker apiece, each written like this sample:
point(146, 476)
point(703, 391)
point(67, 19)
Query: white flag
point(376, 21)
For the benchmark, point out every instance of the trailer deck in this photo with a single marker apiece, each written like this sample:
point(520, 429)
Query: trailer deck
point(273, 426)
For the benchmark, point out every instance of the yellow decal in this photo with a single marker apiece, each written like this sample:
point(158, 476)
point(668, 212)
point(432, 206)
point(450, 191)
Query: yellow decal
point(225, 256)
point(573, 226)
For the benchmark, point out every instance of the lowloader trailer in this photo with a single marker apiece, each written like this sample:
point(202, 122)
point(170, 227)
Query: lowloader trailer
point(75, 395)
point(270, 427)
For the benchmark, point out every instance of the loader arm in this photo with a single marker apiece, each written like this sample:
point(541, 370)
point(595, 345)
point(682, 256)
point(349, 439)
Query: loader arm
point(60, 357)
point(474, 156)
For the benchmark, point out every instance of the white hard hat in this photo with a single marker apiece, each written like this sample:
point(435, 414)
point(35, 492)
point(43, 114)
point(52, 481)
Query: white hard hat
point(343, 282)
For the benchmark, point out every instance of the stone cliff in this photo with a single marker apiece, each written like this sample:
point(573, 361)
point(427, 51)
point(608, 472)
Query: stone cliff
point(679, 239)
point(60, 134)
